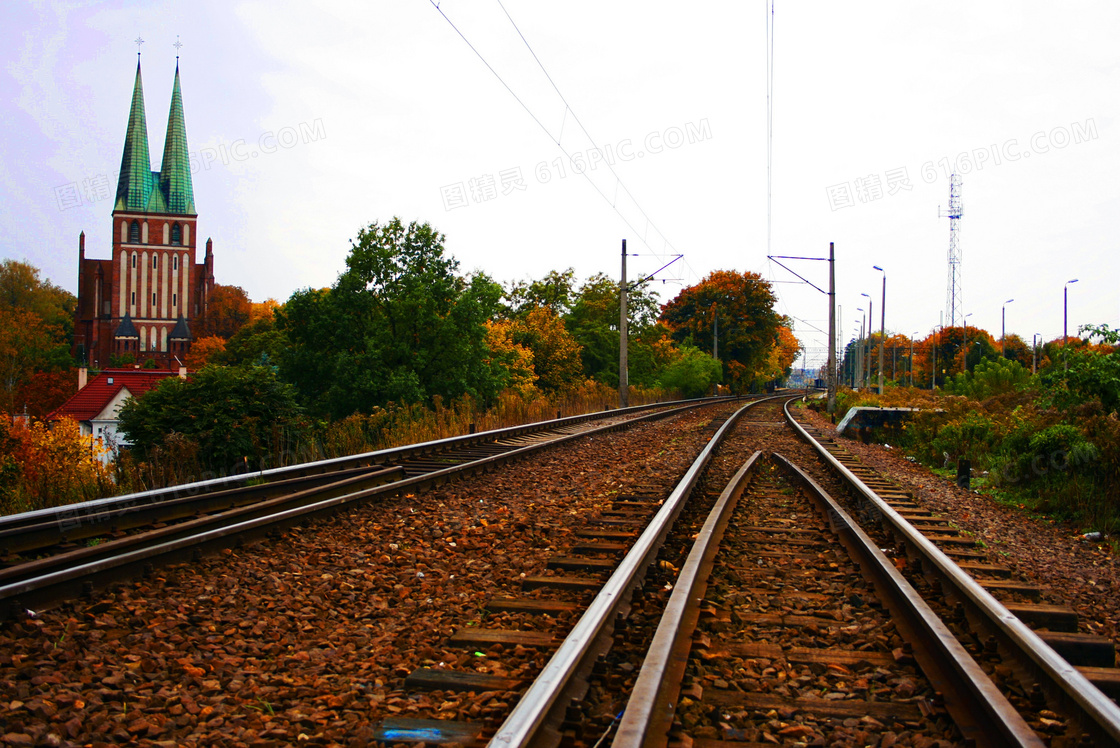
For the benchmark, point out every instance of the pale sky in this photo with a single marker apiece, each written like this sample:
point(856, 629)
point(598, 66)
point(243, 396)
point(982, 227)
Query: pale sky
point(308, 120)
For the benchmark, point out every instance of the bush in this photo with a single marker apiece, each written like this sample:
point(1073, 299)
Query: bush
point(692, 373)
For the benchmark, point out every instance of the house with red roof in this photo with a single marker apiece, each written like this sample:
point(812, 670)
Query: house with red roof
point(99, 400)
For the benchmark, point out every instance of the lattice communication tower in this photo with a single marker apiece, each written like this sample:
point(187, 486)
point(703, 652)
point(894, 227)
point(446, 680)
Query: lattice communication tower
point(954, 301)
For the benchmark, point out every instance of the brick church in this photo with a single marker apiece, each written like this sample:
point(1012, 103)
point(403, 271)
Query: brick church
point(143, 301)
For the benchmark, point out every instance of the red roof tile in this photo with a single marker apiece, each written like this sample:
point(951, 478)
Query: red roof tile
point(101, 390)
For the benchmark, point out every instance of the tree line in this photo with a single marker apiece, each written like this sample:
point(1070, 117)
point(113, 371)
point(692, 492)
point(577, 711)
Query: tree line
point(402, 325)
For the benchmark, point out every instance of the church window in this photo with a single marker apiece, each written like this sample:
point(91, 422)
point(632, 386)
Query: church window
point(134, 233)
point(155, 262)
point(176, 234)
point(133, 301)
point(153, 298)
point(174, 299)
point(133, 259)
point(175, 262)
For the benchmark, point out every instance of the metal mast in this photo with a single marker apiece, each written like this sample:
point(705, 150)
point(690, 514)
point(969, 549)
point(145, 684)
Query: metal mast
point(954, 303)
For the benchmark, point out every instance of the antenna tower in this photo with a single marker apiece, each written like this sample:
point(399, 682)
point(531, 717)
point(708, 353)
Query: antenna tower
point(954, 303)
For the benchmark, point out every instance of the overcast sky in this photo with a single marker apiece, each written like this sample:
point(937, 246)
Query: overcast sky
point(308, 120)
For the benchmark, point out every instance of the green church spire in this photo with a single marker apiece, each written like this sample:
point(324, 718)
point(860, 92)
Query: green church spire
point(135, 184)
point(175, 173)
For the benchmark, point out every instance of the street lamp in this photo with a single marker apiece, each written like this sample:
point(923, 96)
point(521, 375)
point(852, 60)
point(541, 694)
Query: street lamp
point(870, 321)
point(1065, 321)
point(1003, 327)
point(882, 325)
point(860, 348)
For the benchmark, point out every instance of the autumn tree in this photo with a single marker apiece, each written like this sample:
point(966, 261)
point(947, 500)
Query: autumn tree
point(36, 328)
point(556, 354)
point(46, 390)
point(43, 466)
point(227, 309)
point(783, 354)
point(1017, 349)
point(741, 304)
point(203, 351)
point(263, 309)
point(511, 358)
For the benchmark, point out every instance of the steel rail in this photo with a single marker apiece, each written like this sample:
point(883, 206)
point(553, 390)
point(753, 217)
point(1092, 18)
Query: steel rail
point(538, 706)
point(653, 701)
point(124, 516)
point(366, 459)
point(53, 584)
point(978, 707)
point(1097, 714)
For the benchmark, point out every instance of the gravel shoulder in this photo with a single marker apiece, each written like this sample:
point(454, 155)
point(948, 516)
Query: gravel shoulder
point(1086, 574)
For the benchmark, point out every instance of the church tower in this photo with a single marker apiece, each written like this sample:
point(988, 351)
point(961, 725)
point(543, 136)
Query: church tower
point(143, 301)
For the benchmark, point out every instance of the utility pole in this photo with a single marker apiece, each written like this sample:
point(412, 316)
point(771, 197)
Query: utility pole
point(832, 369)
point(623, 339)
point(882, 327)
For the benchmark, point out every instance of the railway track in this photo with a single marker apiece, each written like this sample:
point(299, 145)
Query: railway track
point(66, 552)
point(539, 616)
point(782, 585)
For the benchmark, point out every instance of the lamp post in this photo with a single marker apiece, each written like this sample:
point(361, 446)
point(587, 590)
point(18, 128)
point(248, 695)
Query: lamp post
point(1003, 327)
point(859, 349)
point(1065, 321)
point(870, 321)
point(882, 326)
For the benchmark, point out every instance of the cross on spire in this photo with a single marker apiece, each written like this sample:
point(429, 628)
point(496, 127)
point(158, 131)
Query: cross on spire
point(138, 41)
point(177, 45)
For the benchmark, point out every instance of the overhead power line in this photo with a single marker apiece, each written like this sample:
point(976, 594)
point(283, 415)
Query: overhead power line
point(668, 250)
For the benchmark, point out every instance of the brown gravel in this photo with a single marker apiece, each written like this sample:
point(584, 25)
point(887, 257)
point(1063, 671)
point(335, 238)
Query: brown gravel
point(1083, 573)
point(305, 639)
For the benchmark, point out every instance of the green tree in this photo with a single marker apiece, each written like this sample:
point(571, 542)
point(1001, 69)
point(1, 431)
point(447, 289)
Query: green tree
point(1093, 372)
point(692, 373)
point(593, 322)
point(989, 378)
point(555, 291)
point(398, 325)
point(230, 412)
point(258, 342)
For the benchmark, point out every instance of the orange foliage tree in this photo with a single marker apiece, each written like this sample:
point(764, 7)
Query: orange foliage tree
point(515, 359)
point(46, 390)
point(43, 466)
point(202, 350)
point(227, 309)
point(742, 304)
point(263, 309)
point(556, 354)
